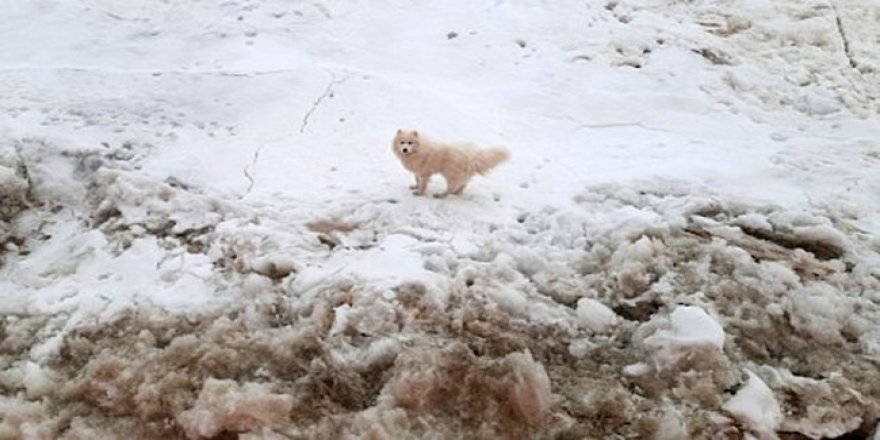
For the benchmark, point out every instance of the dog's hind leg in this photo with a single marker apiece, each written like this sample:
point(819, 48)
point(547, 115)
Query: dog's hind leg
point(453, 186)
point(460, 188)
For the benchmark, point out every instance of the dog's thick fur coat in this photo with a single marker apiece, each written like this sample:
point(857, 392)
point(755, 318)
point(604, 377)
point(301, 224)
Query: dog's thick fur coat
point(457, 163)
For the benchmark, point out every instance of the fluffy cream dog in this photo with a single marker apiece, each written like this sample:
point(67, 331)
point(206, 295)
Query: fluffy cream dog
point(457, 163)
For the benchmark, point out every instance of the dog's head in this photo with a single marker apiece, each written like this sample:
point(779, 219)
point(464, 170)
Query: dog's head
point(406, 142)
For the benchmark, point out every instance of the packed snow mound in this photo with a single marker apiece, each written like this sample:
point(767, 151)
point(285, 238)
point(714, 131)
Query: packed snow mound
point(650, 300)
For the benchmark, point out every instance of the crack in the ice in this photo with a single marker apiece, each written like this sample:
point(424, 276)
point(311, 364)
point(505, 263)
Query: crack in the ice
point(66, 296)
point(247, 170)
point(328, 92)
point(641, 125)
point(111, 71)
point(846, 49)
point(308, 288)
point(582, 125)
point(169, 256)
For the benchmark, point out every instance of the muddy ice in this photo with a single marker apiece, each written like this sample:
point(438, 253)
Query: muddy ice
point(652, 310)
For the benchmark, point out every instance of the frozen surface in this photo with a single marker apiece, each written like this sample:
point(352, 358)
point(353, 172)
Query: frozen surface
point(204, 232)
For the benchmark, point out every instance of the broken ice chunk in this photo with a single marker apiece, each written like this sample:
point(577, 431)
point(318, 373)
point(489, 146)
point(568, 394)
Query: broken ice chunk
point(755, 406)
point(693, 334)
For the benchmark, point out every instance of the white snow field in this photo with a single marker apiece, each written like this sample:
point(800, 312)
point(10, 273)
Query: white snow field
point(205, 234)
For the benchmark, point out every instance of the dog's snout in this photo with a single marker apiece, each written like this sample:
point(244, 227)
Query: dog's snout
point(405, 150)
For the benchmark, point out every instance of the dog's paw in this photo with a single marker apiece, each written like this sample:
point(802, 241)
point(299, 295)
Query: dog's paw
point(413, 186)
point(440, 196)
point(418, 193)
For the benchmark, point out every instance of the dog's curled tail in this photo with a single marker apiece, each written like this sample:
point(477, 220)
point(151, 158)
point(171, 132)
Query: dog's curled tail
point(489, 158)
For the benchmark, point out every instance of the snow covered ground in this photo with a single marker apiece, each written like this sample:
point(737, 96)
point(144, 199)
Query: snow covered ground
point(205, 233)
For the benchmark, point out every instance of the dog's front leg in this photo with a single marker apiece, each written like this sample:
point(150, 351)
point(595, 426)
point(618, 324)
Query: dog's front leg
point(421, 184)
point(416, 185)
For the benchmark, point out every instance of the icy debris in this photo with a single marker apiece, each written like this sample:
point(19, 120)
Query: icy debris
point(258, 246)
point(464, 245)
point(21, 419)
point(13, 189)
point(825, 235)
point(375, 317)
point(551, 314)
point(529, 262)
point(579, 348)
point(224, 405)
point(394, 259)
point(793, 230)
point(267, 434)
point(754, 221)
point(530, 393)
point(328, 226)
point(594, 315)
point(819, 310)
point(276, 266)
point(870, 343)
point(254, 285)
point(671, 426)
point(13, 186)
point(631, 262)
point(755, 406)
point(156, 206)
point(341, 319)
point(452, 380)
point(637, 369)
point(37, 381)
point(692, 331)
point(510, 300)
point(818, 104)
point(826, 408)
point(375, 356)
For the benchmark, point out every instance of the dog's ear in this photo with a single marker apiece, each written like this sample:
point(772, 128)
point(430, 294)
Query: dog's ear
point(399, 131)
point(415, 133)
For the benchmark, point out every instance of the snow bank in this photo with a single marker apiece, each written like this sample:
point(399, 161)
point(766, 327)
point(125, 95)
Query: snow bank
point(478, 344)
